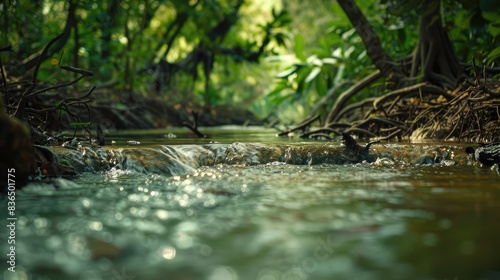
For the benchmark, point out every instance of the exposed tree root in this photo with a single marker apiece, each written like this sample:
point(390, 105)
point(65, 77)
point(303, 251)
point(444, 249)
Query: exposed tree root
point(431, 98)
point(471, 112)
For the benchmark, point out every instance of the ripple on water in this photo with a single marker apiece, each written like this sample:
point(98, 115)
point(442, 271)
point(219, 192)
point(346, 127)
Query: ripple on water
point(261, 221)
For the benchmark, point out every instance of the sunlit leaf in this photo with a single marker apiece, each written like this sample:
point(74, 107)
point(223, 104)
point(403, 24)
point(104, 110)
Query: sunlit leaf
point(329, 60)
point(313, 59)
point(349, 33)
point(312, 75)
point(286, 73)
point(399, 25)
point(274, 58)
point(340, 74)
point(362, 55)
point(348, 51)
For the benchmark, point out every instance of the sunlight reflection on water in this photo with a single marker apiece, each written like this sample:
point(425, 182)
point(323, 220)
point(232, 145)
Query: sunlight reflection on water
point(383, 220)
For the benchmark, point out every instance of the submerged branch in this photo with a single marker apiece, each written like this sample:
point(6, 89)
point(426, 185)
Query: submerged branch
point(194, 127)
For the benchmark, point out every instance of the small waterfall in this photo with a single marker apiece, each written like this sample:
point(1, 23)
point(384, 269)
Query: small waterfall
point(175, 160)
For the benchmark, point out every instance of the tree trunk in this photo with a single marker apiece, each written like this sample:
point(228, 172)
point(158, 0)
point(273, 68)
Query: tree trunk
point(107, 22)
point(70, 23)
point(374, 48)
point(434, 57)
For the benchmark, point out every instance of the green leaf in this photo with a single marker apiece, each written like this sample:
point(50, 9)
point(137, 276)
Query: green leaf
point(494, 54)
point(361, 55)
point(278, 89)
point(494, 28)
point(312, 75)
point(302, 74)
point(321, 86)
point(313, 60)
point(299, 46)
point(280, 39)
point(278, 99)
point(284, 21)
point(329, 60)
point(348, 51)
point(348, 33)
point(402, 35)
point(287, 73)
point(274, 58)
point(120, 106)
point(491, 15)
point(404, 7)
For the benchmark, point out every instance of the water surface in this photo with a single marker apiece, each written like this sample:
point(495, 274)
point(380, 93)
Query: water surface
point(295, 215)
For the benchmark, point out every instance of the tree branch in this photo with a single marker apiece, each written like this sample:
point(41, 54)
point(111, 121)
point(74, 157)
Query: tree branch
point(345, 96)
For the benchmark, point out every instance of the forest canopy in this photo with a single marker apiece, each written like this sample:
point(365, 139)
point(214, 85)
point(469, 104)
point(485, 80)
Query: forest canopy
point(294, 59)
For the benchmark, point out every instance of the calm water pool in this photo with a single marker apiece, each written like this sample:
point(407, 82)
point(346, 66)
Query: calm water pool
point(262, 219)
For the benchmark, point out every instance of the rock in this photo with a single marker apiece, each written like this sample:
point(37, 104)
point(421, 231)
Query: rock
point(425, 159)
point(16, 150)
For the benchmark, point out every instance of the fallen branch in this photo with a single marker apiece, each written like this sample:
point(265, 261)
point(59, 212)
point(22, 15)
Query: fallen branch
point(194, 126)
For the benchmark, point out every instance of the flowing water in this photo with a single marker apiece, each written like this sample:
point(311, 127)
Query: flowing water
point(244, 204)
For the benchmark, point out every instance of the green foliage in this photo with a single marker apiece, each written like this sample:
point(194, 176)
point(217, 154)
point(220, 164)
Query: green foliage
point(308, 72)
point(490, 10)
point(120, 41)
point(310, 45)
point(474, 25)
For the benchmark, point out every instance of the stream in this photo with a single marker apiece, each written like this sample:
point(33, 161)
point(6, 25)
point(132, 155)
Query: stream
point(244, 204)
